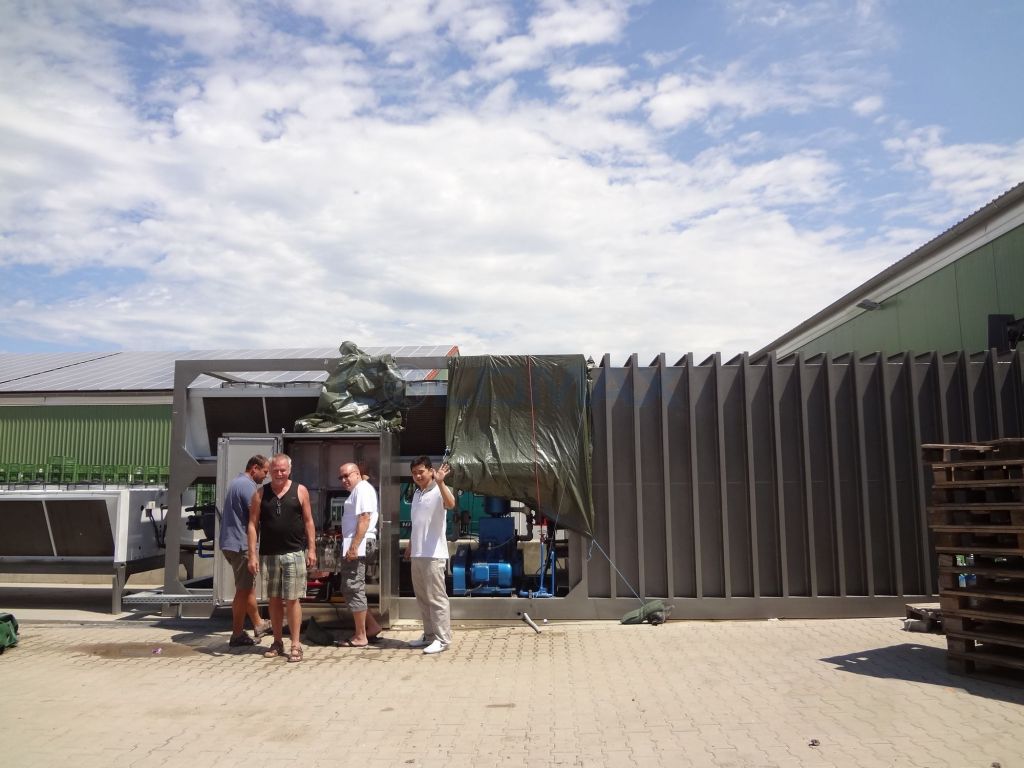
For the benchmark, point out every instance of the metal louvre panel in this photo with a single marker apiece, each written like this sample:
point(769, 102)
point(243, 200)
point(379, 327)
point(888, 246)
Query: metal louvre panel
point(792, 478)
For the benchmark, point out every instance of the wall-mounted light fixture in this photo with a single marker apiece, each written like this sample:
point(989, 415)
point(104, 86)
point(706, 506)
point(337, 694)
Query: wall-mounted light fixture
point(868, 305)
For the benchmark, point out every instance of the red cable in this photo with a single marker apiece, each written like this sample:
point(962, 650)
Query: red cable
point(533, 427)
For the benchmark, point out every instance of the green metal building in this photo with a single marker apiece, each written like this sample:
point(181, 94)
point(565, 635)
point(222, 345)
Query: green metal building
point(940, 297)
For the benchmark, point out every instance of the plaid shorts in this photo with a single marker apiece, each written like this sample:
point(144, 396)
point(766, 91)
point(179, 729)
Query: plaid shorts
point(286, 575)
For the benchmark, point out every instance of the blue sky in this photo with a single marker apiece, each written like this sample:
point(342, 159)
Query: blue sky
point(513, 177)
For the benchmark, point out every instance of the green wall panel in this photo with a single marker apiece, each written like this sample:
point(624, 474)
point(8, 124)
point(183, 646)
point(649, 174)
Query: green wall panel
point(1008, 262)
point(873, 331)
point(928, 316)
point(94, 434)
point(976, 295)
point(947, 311)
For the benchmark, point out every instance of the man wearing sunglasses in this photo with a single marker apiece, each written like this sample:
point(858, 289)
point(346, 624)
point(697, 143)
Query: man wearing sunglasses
point(357, 522)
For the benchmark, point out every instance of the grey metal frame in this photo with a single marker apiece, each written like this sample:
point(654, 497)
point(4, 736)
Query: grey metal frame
point(777, 487)
point(186, 468)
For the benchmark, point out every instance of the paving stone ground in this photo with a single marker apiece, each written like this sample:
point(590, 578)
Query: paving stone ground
point(172, 693)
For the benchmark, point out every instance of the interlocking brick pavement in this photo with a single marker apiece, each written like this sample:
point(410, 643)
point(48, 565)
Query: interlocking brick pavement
point(578, 694)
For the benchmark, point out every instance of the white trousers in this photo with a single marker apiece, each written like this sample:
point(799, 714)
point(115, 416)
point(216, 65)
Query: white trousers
point(428, 584)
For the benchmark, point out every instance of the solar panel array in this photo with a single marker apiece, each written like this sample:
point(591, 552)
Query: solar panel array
point(154, 371)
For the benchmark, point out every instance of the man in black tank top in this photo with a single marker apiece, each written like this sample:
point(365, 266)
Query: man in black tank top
point(281, 515)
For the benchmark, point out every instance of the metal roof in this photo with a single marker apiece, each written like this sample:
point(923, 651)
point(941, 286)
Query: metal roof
point(929, 250)
point(154, 371)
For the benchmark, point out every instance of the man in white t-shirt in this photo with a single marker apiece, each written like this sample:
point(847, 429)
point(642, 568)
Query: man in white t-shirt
point(357, 521)
point(428, 550)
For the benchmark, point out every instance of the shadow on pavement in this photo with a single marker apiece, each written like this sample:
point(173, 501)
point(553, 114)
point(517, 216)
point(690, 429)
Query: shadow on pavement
point(926, 664)
point(62, 602)
point(203, 637)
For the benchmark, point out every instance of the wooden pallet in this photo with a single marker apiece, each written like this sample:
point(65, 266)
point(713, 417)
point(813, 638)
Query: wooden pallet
point(1006, 449)
point(977, 520)
point(944, 453)
point(975, 514)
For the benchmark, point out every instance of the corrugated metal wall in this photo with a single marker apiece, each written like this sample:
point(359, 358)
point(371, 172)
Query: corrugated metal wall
point(988, 280)
point(93, 434)
point(793, 478)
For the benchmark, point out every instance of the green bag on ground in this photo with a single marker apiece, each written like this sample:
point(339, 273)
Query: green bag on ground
point(8, 631)
point(653, 612)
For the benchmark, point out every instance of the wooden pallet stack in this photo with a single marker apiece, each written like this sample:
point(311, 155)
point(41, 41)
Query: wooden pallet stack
point(977, 518)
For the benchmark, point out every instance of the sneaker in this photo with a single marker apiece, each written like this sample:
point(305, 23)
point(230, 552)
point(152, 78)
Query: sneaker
point(242, 639)
point(436, 647)
point(421, 643)
point(264, 629)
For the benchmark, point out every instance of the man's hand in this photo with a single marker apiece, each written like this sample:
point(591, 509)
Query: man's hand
point(441, 473)
point(353, 552)
point(254, 565)
point(310, 558)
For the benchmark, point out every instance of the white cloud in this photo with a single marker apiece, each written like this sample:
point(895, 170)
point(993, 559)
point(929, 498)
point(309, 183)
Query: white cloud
point(964, 175)
point(869, 105)
point(683, 99)
point(559, 25)
point(210, 27)
point(255, 184)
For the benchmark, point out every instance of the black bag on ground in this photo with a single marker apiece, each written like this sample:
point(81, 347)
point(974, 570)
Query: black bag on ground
point(314, 634)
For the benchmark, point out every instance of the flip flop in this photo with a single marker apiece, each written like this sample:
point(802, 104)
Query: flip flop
point(348, 644)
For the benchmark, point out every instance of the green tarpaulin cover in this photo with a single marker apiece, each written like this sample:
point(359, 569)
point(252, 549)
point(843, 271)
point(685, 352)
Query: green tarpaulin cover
point(364, 393)
point(518, 427)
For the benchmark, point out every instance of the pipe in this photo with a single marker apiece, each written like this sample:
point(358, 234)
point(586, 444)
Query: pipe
point(528, 620)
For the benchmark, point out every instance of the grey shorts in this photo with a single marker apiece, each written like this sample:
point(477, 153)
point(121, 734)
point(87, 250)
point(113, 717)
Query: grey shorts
point(353, 583)
point(286, 575)
point(239, 562)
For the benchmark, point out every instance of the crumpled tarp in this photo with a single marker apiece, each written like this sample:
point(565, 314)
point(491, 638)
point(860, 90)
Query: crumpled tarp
point(364, 393)
point(517, 425)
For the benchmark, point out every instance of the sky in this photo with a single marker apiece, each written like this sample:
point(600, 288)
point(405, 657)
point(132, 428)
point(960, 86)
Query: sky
point(559, 176)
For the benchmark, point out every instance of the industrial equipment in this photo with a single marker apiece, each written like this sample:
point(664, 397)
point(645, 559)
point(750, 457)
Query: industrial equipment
point(495, 566)
point(203, 517)
point(116, 532)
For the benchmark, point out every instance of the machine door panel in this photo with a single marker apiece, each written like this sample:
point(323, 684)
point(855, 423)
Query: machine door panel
point(233, 452)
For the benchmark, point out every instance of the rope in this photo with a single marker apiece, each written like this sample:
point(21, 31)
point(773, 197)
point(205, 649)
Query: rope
point(594, 543)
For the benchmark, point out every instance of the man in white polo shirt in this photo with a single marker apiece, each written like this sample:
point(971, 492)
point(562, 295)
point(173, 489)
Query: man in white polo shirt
point(428, 549)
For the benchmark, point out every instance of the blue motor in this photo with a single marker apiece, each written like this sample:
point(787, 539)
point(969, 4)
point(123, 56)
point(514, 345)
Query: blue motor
point(496, 565)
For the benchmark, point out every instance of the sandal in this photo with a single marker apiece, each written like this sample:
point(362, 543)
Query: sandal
point(295, 654)
point(276, 649)
point(241, 640)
